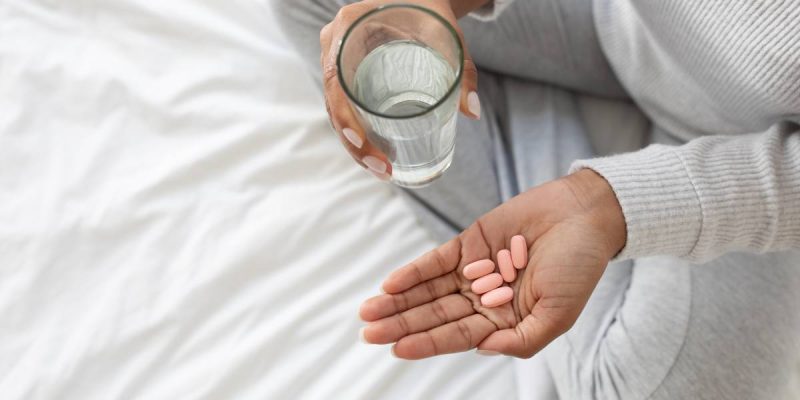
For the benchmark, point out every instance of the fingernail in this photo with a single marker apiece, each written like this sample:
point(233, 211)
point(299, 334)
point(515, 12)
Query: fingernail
point(486, 352)
point(375, 164)
point(361, 337)
point(353, 137)
point(474, 104)
point(394, 354)
point(383, 177)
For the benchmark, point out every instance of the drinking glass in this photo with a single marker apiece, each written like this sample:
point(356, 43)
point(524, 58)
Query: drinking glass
point(401, 68)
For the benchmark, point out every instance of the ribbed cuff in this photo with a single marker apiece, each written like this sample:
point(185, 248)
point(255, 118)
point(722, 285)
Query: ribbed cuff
point(661, 207)
point(491, 10)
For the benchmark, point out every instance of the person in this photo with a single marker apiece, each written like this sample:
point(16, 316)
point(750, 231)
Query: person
point(663, 272)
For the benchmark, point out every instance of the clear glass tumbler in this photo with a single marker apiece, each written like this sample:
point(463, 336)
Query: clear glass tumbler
point(401, 68)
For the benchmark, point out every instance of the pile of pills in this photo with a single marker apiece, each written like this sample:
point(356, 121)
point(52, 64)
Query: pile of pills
point(488, 283)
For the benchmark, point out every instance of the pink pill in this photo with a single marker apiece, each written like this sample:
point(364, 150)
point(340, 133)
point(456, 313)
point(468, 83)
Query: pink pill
point(506, 265)
point(478, 269)
point(497, 297)
point(487, 283)
point(519, 251)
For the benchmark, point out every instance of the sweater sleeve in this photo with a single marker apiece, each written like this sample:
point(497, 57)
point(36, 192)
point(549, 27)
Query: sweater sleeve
point(491, 10)
point(713, 195)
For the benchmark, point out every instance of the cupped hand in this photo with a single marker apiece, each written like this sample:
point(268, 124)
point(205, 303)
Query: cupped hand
point(573, 227)
point(343, 116)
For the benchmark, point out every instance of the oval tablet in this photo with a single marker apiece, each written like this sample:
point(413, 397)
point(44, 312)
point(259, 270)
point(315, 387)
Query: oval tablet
point(497, 297)
point(487, 283)
point(506, 266)
point(478, 269)
point(519, 251)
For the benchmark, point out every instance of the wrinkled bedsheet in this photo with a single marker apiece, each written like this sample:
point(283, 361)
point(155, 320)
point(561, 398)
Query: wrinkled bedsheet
point(177, 220)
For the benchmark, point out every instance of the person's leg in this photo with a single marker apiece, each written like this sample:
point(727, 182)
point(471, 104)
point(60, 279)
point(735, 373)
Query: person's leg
point(548, 41)
point(660, 328)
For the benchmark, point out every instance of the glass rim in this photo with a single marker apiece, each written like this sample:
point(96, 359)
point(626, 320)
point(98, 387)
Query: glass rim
point(456, 83)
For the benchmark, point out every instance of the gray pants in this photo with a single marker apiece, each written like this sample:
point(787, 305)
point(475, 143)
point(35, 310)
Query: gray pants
point(657, 328)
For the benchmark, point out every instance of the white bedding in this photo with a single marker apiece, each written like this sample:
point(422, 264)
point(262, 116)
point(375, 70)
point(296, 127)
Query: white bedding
point(177, 221)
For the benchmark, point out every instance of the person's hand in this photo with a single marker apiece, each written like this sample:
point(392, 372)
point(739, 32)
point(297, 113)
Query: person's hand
point(342, 115)
point(573, 227)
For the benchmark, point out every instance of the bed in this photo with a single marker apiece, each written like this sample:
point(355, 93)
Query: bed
point(177, 220)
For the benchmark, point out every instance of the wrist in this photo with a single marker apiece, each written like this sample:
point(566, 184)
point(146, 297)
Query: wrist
point(463, 7)
point(600, 204)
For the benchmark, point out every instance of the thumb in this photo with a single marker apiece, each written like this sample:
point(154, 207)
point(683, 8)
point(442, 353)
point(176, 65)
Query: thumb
point(470, 104)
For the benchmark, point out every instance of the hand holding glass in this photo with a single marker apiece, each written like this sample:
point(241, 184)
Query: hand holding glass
point(401, 67)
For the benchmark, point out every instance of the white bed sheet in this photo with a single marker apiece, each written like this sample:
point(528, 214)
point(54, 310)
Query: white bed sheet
point(176, 220)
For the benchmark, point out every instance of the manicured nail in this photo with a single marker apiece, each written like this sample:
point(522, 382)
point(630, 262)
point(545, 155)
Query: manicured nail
point(474, 104)
point(353, 137)
point(361, 337)
point(486, 352)
point(375, 164)
point(383, 177)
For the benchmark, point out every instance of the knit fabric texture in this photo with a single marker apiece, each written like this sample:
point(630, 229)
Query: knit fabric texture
point(722, 76)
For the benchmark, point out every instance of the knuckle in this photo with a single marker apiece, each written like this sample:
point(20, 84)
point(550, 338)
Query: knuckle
point(468, 63)
point(466, 334)
point(400, 302)
point(329, 75)
point(418, 272)
point(324, 33)
point(439, 257)
point(344, 14)
point(439, 312)
point(527, 343)
point(431, 289)
point(433, 343)
point(470, 67)
point(403, 325)
point(348, 12)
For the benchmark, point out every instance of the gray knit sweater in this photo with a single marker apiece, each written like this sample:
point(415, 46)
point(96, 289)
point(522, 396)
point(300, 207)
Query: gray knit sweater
point(722, 76)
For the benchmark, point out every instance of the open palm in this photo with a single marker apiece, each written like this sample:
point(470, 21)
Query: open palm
point(429, 308)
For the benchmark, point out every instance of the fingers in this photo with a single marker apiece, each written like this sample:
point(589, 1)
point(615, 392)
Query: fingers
point(470, 104)
point(433, 264)
point(526, 339)
point(453, 337)
point(350, 132)
point(389, 304)
point(419, 319)
point(342, 116)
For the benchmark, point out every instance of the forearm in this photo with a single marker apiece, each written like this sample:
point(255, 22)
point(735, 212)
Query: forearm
point(713, 195)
